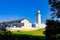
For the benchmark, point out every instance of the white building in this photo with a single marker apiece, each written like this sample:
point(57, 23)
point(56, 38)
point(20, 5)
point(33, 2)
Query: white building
point(25, 25)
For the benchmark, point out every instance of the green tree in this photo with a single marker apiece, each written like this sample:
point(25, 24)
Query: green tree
point(53, 26)
point(55, 8)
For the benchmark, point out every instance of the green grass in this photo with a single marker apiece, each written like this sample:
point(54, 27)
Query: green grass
point(22, 35)
point(34, 33)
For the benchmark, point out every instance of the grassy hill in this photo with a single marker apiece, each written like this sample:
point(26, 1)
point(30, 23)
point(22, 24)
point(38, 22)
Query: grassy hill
point(34, 33)
point(22, 35)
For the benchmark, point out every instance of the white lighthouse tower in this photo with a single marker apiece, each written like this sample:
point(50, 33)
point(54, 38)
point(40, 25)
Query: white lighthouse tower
point(39, 17)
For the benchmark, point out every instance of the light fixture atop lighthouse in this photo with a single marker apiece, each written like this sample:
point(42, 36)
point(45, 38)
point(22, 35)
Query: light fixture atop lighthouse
point(38, 11)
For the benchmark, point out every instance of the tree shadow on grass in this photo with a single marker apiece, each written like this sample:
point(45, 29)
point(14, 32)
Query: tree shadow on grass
point(21, 37)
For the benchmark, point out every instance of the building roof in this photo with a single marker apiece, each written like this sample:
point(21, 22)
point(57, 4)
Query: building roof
point(11, 21)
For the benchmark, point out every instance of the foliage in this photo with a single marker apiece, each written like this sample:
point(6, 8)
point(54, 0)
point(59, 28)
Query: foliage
point(55, 7)
point(52, 29)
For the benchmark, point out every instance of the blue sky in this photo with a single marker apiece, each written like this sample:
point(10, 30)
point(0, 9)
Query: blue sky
point(19, 9)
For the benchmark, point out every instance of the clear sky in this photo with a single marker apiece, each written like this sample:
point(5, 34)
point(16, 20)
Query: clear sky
point(19, 9)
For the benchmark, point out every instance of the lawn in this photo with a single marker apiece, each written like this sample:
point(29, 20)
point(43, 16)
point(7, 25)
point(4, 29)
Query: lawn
point(22, 35)
point(34, 33)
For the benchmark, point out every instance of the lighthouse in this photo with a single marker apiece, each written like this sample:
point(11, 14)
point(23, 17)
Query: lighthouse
point(39, 17)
